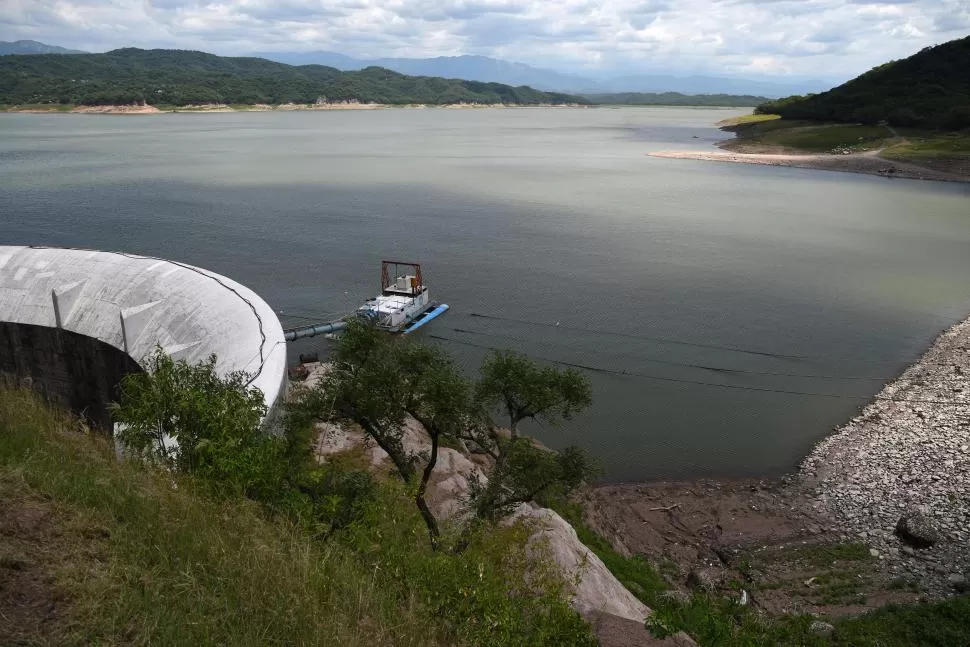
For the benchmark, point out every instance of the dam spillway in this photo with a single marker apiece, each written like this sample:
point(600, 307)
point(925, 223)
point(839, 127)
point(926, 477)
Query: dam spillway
point(73, 322)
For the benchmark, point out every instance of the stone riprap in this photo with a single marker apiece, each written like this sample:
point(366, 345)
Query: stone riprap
point(897, 477)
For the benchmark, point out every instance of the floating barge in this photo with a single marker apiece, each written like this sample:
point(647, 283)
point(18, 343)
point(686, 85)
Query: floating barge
point(404, 304)
point(402, 307)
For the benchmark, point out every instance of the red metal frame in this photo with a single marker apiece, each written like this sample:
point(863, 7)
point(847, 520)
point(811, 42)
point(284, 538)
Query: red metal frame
point(386, 275)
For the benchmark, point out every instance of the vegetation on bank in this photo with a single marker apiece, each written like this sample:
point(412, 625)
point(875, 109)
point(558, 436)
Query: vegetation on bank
point(103, 552)
point(929, 90)
point(809, 136)
point(175, 77)
point(378, 382)
point(243, 538)
point(945, 151)
point(676, 99)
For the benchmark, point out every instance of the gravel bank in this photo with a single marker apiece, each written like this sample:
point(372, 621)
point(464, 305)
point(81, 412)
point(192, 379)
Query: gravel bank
point(908, 451)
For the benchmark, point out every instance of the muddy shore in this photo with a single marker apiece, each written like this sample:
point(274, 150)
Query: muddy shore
point(823, 539)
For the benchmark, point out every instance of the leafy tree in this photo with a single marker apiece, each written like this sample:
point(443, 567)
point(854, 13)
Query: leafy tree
point(193, 420)
point(525, 472)
point(378, 383)
point(526, 390)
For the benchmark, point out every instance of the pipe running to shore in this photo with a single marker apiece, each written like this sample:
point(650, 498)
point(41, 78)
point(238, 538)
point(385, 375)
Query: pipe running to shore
point(312, 331)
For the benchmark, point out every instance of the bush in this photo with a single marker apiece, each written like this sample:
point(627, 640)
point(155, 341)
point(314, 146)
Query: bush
point(192, 420)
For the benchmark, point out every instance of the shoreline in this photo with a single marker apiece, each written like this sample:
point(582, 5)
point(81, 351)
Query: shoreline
point(864, 163)
point(907, 450)
point(285, 107)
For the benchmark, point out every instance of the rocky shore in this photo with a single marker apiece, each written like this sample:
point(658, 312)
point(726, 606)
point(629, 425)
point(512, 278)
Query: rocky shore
point(877, 513)
point(907, 457)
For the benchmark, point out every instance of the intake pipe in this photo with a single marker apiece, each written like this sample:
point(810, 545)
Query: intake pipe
point(312, 331)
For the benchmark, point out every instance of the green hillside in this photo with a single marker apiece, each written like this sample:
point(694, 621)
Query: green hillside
point(176, 77)
point(676, 99)
point(94, 551)
point(930, 89)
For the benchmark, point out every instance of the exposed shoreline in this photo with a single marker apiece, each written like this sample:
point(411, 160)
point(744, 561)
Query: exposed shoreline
point(285, 107)
point(908, 450)
point(865, 163)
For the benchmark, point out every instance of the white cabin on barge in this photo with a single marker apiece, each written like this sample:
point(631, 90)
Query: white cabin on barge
point(403, 299)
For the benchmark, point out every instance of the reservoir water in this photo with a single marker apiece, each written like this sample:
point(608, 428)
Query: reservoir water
point(735, 314)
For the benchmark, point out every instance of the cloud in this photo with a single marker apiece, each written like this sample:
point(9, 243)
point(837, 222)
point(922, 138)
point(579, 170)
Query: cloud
point(814, 38)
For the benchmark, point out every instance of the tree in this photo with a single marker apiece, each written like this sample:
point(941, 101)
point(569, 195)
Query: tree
point(377, 382)
point(193, 420)
point(525, 472)
point(526, 390)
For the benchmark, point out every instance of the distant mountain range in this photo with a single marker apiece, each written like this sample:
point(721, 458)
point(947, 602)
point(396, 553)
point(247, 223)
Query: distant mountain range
point(483, 68)
point(33, 47)
point(486, 69)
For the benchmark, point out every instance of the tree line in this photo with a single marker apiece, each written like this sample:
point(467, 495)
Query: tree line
point(677, 99)
point(177, 78)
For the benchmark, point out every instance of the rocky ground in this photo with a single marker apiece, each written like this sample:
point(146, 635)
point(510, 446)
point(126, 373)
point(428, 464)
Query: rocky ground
point(907, 455)
point(879, 512)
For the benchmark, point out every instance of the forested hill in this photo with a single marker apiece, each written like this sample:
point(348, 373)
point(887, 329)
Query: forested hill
point(676, 99)
point(176, 77)
point(930, 89)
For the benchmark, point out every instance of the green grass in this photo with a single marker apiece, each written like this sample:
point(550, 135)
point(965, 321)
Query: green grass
point(827, 554)
point(815, 138)
point(922, 145)
point(943, 624)
point(137, 557)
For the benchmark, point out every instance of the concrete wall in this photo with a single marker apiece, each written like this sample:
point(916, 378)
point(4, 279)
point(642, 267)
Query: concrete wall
point(131, 304)
point(73, 371)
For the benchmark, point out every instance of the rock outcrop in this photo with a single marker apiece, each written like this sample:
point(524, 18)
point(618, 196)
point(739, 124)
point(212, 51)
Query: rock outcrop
point(596, 590)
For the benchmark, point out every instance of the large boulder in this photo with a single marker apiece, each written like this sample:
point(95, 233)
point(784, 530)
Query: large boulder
point(917, 530)
point(596, 589)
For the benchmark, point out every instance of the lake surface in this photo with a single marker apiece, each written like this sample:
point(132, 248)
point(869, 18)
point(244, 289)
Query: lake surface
point(713, 297)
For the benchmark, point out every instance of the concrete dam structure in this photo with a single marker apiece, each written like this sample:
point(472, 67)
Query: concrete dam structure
point(74, 322)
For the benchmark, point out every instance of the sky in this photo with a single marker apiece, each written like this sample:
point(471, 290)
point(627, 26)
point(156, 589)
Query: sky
point(822, 39)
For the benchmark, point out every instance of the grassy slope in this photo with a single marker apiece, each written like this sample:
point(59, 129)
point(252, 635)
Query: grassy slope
point(97, 552)
point(93, 551)
point(767, 133)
